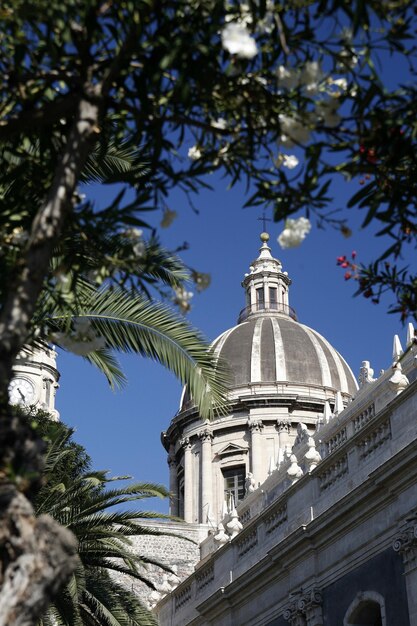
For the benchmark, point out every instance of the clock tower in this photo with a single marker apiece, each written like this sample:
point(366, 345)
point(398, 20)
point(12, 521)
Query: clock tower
point(35, 378)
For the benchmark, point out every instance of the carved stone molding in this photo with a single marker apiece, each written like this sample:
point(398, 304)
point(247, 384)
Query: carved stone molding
point(186, 443)
point(283, 426)
point(255, 425)
point(305, 609)
point(205, 435)
point(405, 543)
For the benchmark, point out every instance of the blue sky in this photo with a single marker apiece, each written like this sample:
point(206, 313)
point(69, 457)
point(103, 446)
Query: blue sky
point(121, 430)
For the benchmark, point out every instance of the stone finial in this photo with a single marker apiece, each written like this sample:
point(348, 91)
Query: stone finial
point(173, 579)
point(397, 349)
point(221, 537)
point(154, 598)
point(338, 404)
point(312, 456)
point(327, 412)
point(272, 466)
point(234, 526)
point(287, 451)
point(398, 380)
point(366, 374)
point(411, 334)
point(249, 483)
point(294, 472)
point(209, 519)
point(225, 510)
point(302, 434)
point(164, 587)
point(280, 457)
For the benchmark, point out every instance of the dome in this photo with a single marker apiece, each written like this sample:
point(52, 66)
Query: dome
point(286, 380)
point(269, 352)
point(272, 348)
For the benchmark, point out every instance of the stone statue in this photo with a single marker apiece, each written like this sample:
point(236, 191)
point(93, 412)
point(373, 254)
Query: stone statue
point(249, 483)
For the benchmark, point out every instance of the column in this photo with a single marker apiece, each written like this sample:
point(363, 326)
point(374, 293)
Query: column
point(188, 480)
point(206, 476)
point(406, 544)
point(173, 483)
point(283, 426)
point(256, 449)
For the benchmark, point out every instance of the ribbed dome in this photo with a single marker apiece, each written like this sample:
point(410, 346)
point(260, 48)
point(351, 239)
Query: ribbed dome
point(270, 349)
point(275, 348)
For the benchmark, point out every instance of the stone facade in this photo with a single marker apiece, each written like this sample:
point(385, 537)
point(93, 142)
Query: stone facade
point(323, 532)
point(335, 544)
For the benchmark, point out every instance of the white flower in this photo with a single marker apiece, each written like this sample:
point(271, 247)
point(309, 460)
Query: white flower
point(347, 60)
point(237, 40)
point(288, 79)
point(242, 16)
point(139, 249)
point(293, 132)
point(168, 218)
point(219, 123)
point(182, 299)
point(18, 236)
point(311, 75)
point(337, 86)
point(194, 153)
point(290, 161)
point(294, 232)
point(133, 233)
point(327, 112)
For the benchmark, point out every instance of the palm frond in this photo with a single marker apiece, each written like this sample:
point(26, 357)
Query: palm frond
point(114, 164)
point(136, 325)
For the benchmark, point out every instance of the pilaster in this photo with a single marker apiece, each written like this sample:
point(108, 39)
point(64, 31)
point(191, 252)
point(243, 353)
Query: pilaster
point(305, 609)
point(188, 480)
point(405, 543)
point(173, 484)
point(256, 427)
point(206, 437)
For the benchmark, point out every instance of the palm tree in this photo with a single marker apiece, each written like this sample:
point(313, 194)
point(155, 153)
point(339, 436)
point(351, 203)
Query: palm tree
point(122, 310)
point(84, 502)
point(102, 321)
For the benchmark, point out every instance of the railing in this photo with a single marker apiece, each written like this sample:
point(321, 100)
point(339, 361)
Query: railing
point(263, 307)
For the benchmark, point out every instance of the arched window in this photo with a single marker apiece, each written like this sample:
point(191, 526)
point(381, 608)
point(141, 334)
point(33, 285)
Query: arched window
point(367, 609)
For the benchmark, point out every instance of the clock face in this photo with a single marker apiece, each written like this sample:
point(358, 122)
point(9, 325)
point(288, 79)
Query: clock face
point(21, 391)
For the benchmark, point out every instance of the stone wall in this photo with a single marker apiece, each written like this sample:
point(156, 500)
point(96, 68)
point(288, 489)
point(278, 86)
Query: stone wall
point(177, 547)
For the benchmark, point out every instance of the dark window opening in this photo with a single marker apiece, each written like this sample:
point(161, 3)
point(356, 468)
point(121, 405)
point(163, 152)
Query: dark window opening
point(368, 613)
point(273, 301)
point(234, 483)
point(260, 299)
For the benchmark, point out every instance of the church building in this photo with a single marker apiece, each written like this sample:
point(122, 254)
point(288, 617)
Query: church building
point(305, 492)
point(302, 498)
